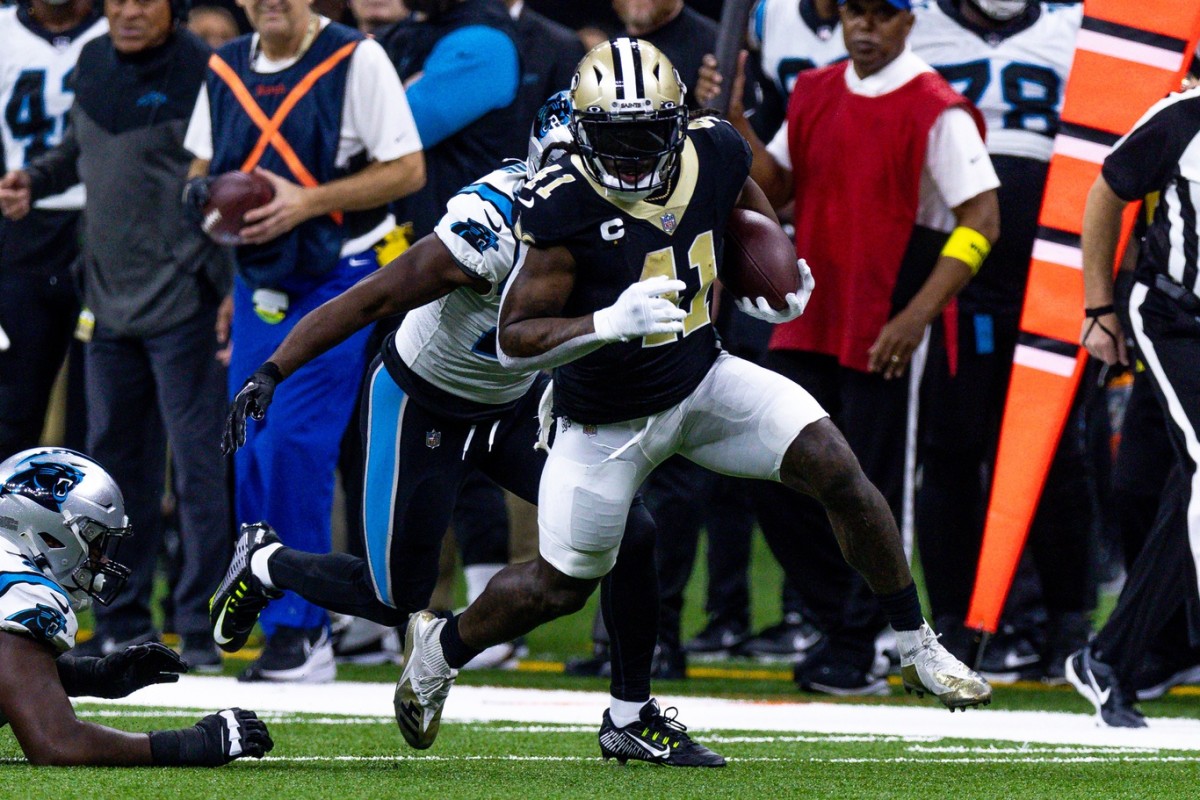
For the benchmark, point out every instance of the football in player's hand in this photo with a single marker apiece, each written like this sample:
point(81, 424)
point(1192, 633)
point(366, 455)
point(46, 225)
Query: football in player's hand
point(760, 260)
point(229, 197)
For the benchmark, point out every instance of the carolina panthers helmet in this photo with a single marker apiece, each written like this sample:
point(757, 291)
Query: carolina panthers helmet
point(67, 515)
point(551, 126)
point(629, 117)
point(1001, 10)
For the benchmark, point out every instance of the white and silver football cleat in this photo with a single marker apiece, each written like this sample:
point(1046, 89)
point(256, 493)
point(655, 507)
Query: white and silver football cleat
point(425, 682)
point(926, 666)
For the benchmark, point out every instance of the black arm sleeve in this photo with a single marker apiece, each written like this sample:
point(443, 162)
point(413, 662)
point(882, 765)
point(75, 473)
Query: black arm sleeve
point(57, 170)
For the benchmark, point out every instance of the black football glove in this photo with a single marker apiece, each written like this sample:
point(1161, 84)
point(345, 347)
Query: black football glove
point(213, 741)
point(253, 400)
point(195, 198)
point(120, 674)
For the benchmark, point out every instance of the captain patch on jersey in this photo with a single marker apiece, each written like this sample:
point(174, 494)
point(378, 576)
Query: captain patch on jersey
point(32, 604)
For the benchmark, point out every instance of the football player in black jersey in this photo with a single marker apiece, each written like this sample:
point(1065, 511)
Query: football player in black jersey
point(624, 239)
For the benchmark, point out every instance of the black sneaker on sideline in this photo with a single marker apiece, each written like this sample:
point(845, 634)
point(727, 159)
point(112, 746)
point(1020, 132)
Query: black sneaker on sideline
point(669, 663)
point(1158, 675)
point(596, 665)
point(828, 672)
point(241, 597)
point(1097, 682)
point(656, 738)
point(717, 640)
point(294, 655)
point(201, 655)
point(788, 640)
point(1009, 657)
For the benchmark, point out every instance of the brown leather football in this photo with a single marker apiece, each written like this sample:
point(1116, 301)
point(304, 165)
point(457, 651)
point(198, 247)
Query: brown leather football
point(230, 196)
point(760, 260)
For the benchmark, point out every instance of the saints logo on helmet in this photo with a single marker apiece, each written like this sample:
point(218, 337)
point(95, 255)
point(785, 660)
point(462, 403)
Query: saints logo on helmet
point(629, 117)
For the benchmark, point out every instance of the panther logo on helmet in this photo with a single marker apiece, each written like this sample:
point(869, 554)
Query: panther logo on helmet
point(551, 126)
point(46, 483)
point(629, 117)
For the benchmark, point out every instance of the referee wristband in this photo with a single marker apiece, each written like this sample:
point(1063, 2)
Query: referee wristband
point(968, 246)
point(1099, 311)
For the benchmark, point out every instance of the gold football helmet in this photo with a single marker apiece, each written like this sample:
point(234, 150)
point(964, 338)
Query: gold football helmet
point(629, 117)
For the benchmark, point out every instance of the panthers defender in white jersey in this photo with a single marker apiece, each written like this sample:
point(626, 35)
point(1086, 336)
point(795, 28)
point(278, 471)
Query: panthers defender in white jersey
point(61, 516)
point(1014, 70)
point(35, 93)
point(438, 403)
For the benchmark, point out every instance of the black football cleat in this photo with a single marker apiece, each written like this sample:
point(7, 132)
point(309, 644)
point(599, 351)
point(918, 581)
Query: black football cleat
point(241, 597)
point(1097, 682)
point(656, 738)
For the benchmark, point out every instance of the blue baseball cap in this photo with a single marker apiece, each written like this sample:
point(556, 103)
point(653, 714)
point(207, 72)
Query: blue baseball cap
point(903, 5)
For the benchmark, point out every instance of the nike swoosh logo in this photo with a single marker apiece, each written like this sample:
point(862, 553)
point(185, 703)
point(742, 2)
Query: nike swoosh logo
point(61, 607)
point(360, 262)
point(217, 628)
point(665, 752)
point(524, 202)
point(495, 227)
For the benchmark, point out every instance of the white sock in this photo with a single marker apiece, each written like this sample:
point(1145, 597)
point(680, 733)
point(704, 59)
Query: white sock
point(477, 576)
point(624, 712)
point(258, 563)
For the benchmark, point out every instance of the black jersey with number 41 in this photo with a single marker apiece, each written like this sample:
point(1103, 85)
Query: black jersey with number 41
point(616, 244)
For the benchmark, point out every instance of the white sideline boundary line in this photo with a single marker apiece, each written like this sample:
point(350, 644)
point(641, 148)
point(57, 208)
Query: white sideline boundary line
point(495, 704)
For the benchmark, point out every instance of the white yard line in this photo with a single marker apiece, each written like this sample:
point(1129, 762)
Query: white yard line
point(488, 704)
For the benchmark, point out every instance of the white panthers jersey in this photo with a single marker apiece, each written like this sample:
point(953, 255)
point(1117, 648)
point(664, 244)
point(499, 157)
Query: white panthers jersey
point(451, 342)
point(1017, 80)
point(32, 604)
point(791, 38)
point(34, 98)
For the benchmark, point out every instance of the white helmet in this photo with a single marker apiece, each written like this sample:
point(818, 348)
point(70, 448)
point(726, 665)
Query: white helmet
point(629, 117)
point(67, 516)
point(1001, 10)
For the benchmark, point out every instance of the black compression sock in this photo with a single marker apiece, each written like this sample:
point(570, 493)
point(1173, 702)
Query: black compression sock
point(456, 651)
point(903, 608)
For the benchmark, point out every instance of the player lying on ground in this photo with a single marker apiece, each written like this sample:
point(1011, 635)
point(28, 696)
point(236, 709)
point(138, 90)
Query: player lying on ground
point(638, 379)
point(438, 403)
point(61, 516)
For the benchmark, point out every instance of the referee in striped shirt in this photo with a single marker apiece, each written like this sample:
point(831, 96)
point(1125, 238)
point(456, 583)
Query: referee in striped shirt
point(1161, 154)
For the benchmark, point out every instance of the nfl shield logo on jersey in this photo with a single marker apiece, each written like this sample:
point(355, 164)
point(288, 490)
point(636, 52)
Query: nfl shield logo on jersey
point(433, 439)
point(668, 223)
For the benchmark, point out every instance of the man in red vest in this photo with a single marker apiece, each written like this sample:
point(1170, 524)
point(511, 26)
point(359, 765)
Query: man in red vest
point(883, 160)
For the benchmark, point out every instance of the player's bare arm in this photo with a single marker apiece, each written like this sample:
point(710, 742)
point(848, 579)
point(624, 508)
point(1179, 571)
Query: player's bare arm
point(33, 699)
point(1101, 334)
point(773, 178)
point(375, 185)
point(754, 199)
point(977, 218)
point(530, 314)
point(420, 275)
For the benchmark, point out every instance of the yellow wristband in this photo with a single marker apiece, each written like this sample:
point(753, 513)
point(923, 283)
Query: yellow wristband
point(969, 246)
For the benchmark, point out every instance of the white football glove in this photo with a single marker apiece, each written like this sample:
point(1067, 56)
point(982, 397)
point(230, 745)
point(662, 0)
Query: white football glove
point(797, 301)
point(641, 310)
